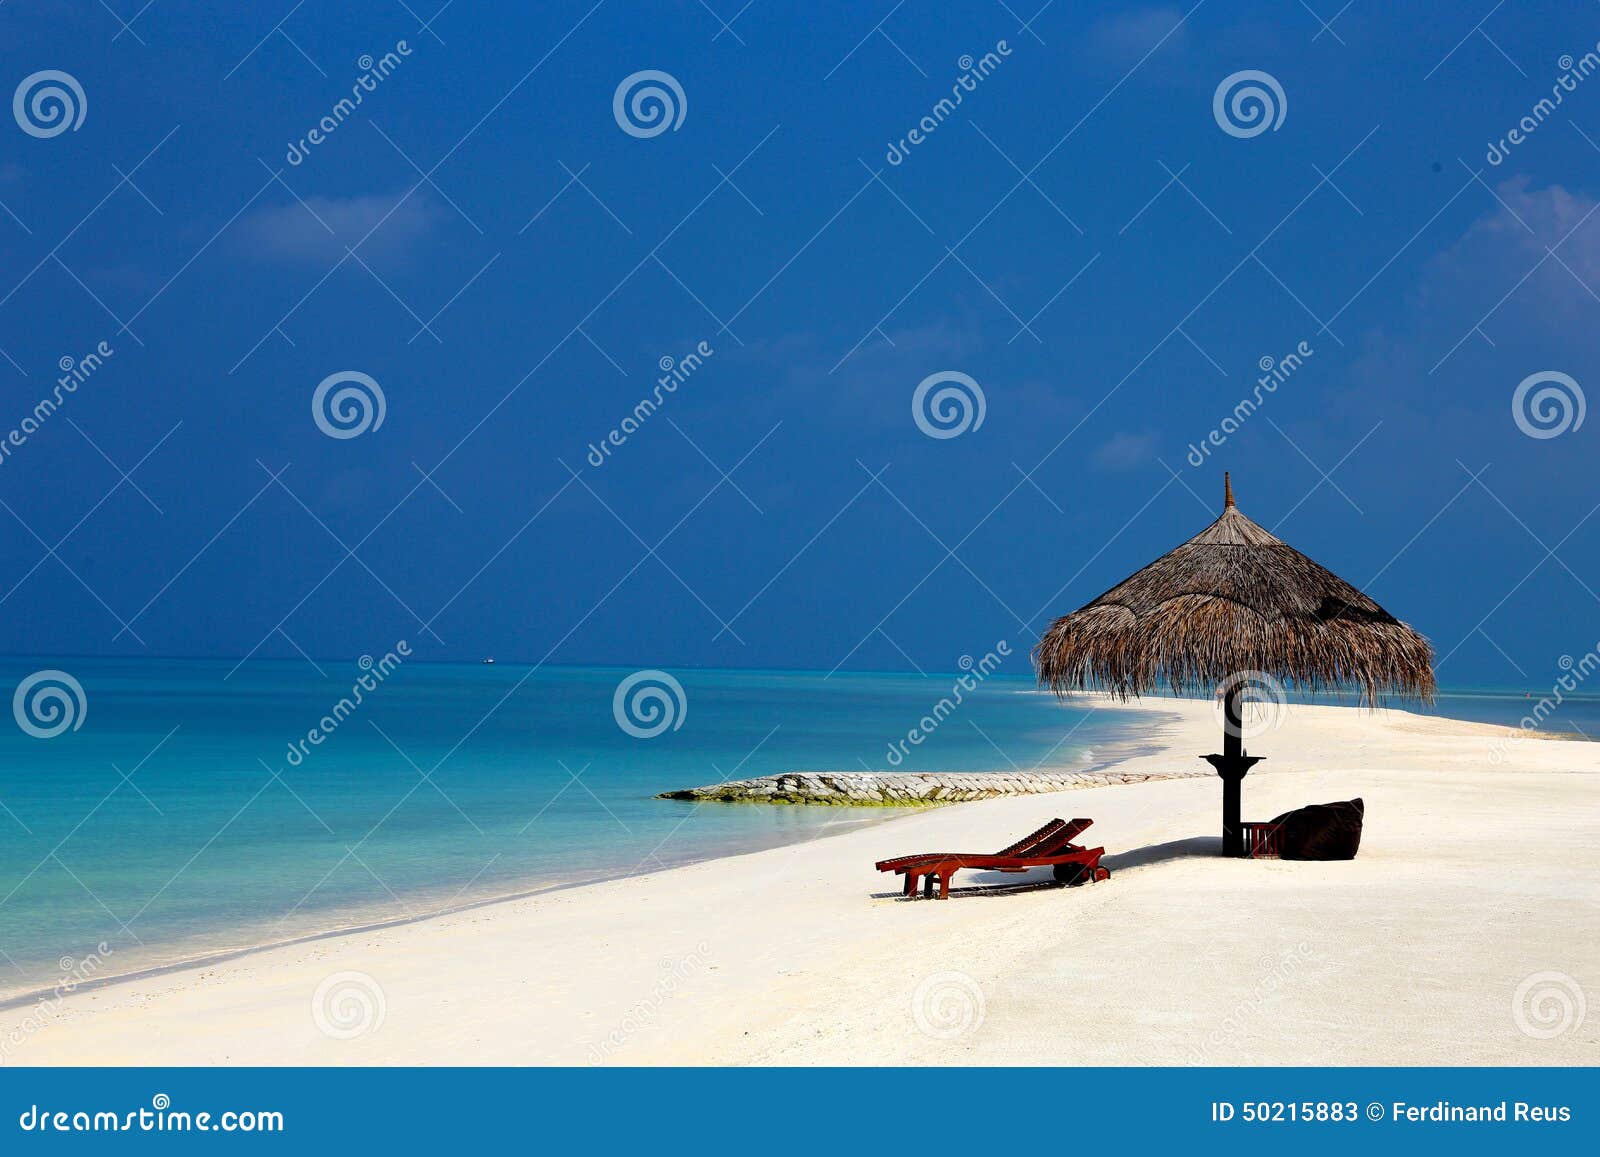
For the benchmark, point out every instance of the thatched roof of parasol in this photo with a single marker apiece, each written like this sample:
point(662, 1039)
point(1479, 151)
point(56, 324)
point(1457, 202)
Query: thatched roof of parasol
point(1234, 599)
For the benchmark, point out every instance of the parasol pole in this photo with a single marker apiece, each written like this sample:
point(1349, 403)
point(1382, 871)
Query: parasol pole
point(1233, 764)
point(1232, 769)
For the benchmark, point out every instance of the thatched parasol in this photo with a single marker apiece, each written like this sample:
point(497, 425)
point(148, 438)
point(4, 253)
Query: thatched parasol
point(1231, 608)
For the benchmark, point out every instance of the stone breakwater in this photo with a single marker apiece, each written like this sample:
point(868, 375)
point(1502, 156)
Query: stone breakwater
point(908, 789)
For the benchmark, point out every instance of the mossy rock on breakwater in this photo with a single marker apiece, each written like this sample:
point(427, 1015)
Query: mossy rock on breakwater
point(905, 789)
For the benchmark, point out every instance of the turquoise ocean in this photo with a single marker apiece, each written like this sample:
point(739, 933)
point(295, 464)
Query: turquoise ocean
point(188, 814)
point(184, 811)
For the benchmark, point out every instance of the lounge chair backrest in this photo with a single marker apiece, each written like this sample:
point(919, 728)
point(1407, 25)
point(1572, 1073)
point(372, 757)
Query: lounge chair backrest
point(1062, 837)
point(1027, 842)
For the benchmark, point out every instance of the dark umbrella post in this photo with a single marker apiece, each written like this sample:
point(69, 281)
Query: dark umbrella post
point(1232, 765)
point(1232, 606)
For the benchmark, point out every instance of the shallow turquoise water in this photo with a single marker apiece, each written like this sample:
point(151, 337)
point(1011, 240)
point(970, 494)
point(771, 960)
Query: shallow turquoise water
point(531, 782)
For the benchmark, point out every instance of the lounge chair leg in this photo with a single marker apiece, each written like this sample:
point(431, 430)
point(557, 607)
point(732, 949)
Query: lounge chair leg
point(911, 884)
point(927, 886)
point(944, 885)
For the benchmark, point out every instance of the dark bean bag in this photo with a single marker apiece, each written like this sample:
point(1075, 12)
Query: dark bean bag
point(1322, 831)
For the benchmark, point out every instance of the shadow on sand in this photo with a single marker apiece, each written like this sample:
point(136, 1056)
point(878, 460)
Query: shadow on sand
point(1188, 849)
point(1002, 884)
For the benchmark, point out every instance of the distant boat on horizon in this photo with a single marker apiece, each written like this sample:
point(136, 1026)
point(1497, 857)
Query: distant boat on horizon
point(488, 661)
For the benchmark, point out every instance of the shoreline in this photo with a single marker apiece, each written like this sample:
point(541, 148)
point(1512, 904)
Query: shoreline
point(33, 997)
point(801, 954)
point(851, 819)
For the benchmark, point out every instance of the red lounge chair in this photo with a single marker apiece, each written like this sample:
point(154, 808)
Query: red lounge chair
point(1026, 844)
point(1051, 846)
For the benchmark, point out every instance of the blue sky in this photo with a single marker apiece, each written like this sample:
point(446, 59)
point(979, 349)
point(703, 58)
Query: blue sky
point(1080, 236)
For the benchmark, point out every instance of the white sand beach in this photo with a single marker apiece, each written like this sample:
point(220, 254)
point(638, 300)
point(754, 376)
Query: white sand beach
point(1466, 932)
